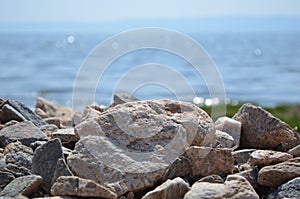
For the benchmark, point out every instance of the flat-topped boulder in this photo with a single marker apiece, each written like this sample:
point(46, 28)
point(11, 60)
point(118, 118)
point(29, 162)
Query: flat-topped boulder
point(138, 141)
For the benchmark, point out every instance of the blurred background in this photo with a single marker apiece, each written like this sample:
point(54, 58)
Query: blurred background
point(255, 44)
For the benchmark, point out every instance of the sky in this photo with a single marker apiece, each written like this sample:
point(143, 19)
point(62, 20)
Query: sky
point(21, 11)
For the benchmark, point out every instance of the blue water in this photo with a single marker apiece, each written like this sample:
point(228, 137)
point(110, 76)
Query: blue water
point(255, 67)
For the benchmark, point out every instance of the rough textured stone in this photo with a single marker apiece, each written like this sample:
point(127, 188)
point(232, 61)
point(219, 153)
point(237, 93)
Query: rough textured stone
point(206, 161)
point(75, 186)
point(242, 156)
point(235, 187)
point(212, 179)
point(44, 162)
point(18, 154)
point(14, 110)
point(170, 189)
point(261, 130)
point(274, 175)
point(17, 171)
point(25, 132)
point(295, 151)
point(145, 135)
point(109, 166)
point(291, 189)
point(224, 140)
point(263, 158)
point(5, 178)
point(230, 126)
point(65, 114)
point(22, 186)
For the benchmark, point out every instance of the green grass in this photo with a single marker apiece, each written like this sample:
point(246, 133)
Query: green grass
point(287, 113)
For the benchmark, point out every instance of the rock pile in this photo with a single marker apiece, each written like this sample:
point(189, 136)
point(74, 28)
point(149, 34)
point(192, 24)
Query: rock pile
point(145, 149)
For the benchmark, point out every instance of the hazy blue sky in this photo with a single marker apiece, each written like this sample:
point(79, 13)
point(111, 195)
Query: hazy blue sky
point(105, 11)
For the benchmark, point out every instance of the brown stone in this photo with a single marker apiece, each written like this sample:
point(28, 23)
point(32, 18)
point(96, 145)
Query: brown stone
point(274, 175)
point(206, 161)
point(261, 130)
point(263, 158)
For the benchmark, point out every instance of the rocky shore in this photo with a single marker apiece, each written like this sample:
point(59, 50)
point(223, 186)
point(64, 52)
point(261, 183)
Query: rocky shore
point(156, 149)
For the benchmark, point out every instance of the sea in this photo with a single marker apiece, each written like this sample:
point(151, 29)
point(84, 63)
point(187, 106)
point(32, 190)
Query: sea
point(257, 67)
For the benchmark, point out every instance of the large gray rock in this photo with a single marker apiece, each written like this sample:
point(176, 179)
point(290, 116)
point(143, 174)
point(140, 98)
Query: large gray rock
point(113, 165)
point(45, 161)
point(25, 132)
point(291, 189)
point(22, 186)
point(18, 154)
point(263, 158)
point(235, 187)
point(14, 110)
point(170, 189)
point(138, 141)
point(261, 130)
point(274, 175)
point(206, 161)
point(75, 186)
